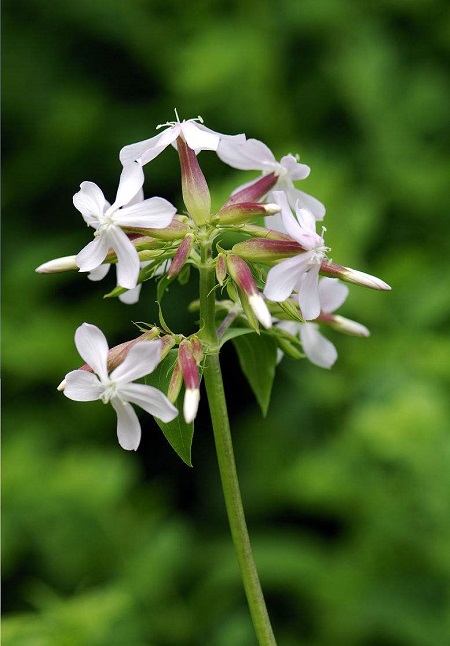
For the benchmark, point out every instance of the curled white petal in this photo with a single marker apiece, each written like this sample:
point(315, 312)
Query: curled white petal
point(283, 279)
point(308, 294)
point(128, 265)
point(130, 183)
point(99, 272)
point(155, 212)
point(90, 201)
point(94, 253)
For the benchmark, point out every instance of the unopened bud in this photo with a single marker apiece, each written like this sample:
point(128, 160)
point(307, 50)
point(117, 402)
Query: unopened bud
point(344, 325)
point(181, 256)
point(242, 276)
point(254, 191)
point(66, 263)
point(353, 276)
point(193, 183)
point(244, 211)
point(174, 231)
point(189, 369)
point(263, 250)
point(176, 381)
point(221, 268)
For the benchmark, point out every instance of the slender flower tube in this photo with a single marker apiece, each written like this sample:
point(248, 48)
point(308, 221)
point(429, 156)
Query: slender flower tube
point(117, 387)
point(181, 256)
point(242, 276)
point(254, 155)
point(108, 222)
point(353, 276)
point(245, 211)
point(300, 273)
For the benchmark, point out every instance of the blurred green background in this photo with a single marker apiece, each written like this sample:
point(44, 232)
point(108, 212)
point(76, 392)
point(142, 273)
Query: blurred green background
point(346, 483)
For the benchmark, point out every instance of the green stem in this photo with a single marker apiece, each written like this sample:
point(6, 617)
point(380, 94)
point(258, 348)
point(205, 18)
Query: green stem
point(224, 447)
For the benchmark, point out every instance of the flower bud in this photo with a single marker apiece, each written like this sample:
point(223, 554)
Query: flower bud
point(221, 268)
point(176, 381)
point(255, 191)
point(344, 325)
point(242, 276)
point(268, 251)
point(176, 230)
point(353, 276)
point(193, 183)
point(244, 211)
point(189, 369)
point(66, 263)
point(181, 256)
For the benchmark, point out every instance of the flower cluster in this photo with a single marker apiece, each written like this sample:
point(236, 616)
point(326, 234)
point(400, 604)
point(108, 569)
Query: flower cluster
point(278, 275)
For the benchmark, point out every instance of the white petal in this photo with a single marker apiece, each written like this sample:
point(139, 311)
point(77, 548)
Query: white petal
point(317, 348)
point(150, 399)
point(332, 293)
point(284, 278)
point(99, 272)
point(131, 296)
point(308, 294)
point(93, 254)
point(250, 155)
point(260, 310)
point(141, 360)
point(139, 197)
point(128, 265)
point(305, 201)
point(190, 404)
point(128, 427)
point(295, 170)
point(93, 348)
point(134, 152)
point(82, 386)
point(155, 212)
point(90, 201)
point(131, 181)
point(199, 139)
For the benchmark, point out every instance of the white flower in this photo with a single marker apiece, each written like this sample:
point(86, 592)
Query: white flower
point(197, 136)
point(300, 273)
point(117, 388)
point(318, 349)
point(254, 155)
point(107, 220)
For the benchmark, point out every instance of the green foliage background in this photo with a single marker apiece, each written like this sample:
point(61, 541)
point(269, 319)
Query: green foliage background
point(347, 480)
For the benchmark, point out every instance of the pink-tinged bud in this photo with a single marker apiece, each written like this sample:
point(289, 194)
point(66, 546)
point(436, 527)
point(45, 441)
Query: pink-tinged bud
point(167, 343)
point(174, 231)
point(353, 276)
point(255, 191)
point(221, 268)
point(181, 256)
point(176, 381)
point(244, 211)
point(242, 276)
point(344, 325)
point(269, 251)
point(66, 263)
point(197, 349)
point(189, 369)
point(193, 183)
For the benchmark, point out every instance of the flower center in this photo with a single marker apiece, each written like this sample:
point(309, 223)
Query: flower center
point(110, 391)
point(106, 222)
point(172, 124)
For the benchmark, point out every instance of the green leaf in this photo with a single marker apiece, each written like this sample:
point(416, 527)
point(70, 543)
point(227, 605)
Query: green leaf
point(177, 433)
point(233, 332)
point(258, 357)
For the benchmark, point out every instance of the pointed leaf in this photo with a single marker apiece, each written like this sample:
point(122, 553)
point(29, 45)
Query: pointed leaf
point(177, 433)
point(258, 357)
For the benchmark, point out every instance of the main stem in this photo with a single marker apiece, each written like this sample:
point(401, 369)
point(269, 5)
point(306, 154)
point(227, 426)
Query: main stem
point(224, 448)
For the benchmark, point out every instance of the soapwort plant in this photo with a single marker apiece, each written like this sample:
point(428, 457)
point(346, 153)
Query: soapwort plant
point(269, 294)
